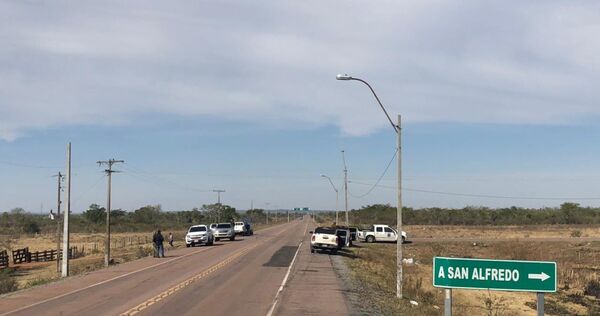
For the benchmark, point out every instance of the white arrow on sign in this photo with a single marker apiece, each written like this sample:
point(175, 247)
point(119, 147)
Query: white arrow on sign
point(538, 276)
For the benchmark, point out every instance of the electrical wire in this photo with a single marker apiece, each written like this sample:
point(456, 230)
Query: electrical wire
point(21, 165)
point(378, 179)
point(148, 176)
point(485, 195)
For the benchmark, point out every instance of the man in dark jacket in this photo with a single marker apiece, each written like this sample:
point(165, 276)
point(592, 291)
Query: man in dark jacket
point(157, 240)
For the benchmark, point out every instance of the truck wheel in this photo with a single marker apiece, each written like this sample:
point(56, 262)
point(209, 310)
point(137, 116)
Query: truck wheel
point(312, 250)
point(187, 245)
point(232, 238)
point(210, 243)
point(403, 239)
point(370, 239)
point(334, 251)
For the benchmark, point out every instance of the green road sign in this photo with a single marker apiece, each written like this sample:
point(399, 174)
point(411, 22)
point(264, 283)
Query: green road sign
point(300, 208)
point(504, 275)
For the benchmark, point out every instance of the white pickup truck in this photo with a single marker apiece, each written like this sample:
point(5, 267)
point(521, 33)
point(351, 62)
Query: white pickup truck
point(324, 238)
point(380, 233)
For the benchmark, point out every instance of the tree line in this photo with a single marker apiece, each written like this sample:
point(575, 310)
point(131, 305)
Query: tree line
point(567, 213)
point(146, 218)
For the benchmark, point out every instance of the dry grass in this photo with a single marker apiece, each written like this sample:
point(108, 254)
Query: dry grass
point(578, 266)
point(500, 232)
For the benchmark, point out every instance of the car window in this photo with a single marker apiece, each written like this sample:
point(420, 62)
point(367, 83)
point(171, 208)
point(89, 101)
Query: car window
point(224, 226)
point(198, 229)
point(388, 230)
point(341, 232)
point(323, 230)
point(379, 229)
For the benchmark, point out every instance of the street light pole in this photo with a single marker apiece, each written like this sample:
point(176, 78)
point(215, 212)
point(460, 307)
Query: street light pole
point(345, 187)
point(397, 129)
point(337, 196)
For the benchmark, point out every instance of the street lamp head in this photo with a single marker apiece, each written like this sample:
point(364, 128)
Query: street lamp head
point(324, 176)
point(343, 77)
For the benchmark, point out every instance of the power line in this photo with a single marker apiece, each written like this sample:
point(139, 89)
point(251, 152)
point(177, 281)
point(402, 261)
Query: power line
point(21, 165)
point(378, 179)
point(148, 176)
point(485, 195)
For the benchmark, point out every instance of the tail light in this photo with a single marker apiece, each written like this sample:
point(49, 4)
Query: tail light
point(313, 238)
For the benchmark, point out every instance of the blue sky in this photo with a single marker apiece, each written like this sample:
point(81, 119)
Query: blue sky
point(497, 99)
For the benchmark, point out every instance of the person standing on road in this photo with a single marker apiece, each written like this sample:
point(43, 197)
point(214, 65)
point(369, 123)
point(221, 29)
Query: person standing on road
point(158, 239)
point(171, 239)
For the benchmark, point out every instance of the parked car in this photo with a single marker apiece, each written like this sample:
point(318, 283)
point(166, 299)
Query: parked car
point(240, 228)
point(212, 226)
point(324, 238)
point(343, 237)
point(224, 230)
point(380, 233)
point(199, 234)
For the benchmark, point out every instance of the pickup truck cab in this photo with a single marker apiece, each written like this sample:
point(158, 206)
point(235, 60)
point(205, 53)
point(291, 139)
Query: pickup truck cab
point(224, 230)
point(380, 233)
point(324, 238)
point(199, 234)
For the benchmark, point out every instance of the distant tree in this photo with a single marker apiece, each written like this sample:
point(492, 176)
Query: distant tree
point(17, 211)
point(149, 214)
point(95, 214)
point(219, 212)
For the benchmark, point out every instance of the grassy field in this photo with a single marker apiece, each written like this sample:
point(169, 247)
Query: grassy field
point(373, 266)
point(124, 247)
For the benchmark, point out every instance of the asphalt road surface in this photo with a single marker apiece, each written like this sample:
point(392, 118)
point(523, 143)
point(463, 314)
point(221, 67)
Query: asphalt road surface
point(249, 276)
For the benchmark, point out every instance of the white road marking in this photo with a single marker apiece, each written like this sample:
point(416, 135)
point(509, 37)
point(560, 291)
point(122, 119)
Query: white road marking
point(112, 279)
point(274, 304)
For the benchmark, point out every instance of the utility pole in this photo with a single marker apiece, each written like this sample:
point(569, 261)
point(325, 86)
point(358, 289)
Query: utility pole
point(109, 173)
point(67, 213)
point(60, 177)
point(399, 213)
point(219, 204)
point(345, 186)
point(288, 211)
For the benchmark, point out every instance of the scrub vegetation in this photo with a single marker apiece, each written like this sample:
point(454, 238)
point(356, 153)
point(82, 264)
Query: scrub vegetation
point(568, 214)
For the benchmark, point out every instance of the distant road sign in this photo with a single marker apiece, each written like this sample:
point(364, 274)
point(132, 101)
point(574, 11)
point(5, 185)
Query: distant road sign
point(301, 208)
point(504, 275)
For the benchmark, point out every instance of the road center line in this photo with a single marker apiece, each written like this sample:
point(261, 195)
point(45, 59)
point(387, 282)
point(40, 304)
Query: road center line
point(113, 279)
point(172, 290)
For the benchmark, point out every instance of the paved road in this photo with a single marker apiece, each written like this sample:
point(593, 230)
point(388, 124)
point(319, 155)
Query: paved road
point(231, 278)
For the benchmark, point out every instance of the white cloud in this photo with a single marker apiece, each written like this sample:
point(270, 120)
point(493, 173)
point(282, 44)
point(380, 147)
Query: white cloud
point(272, 62)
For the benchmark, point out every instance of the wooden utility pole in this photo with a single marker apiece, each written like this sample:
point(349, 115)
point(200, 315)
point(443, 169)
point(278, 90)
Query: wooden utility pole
point(109, 172)
point(60, 177)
